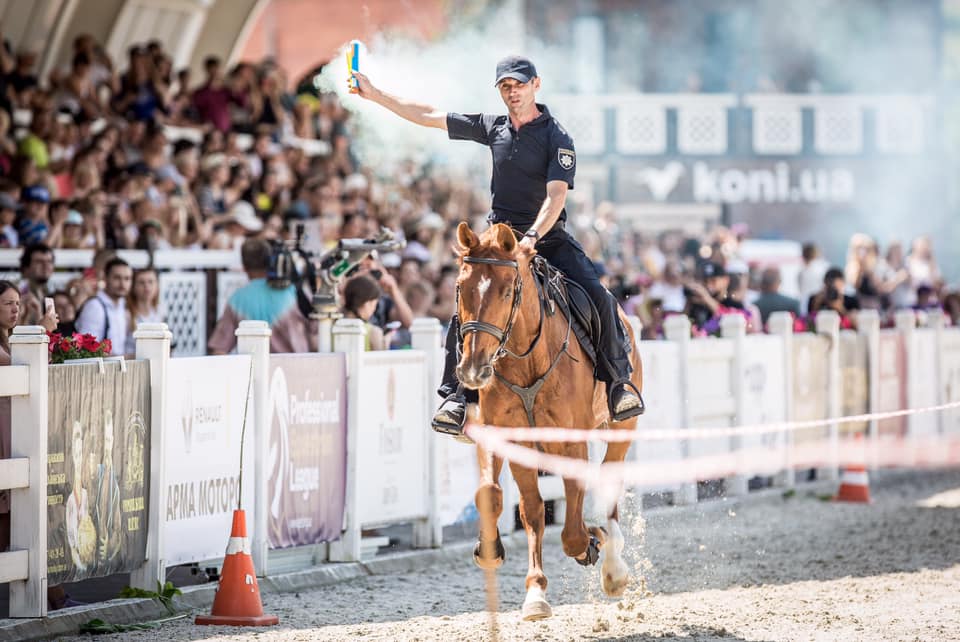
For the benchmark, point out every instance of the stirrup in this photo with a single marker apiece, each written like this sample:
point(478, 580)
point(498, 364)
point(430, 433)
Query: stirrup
point(446, 423)
point(629, 412)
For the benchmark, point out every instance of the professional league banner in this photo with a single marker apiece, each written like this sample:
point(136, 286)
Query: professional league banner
point(97, 469)
point(204, 423)
point(307, 459)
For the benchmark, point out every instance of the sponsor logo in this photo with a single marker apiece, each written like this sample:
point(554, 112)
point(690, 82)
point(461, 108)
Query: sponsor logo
point(779, 184)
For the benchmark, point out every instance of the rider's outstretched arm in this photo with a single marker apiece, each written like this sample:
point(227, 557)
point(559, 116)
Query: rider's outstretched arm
point(414, 112)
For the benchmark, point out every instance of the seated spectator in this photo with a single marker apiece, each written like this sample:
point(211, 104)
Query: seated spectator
point(8, 215)
point(34, 223)
point(770, 299)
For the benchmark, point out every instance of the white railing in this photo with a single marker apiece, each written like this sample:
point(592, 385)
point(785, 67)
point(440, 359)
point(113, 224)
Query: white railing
point(24, 566)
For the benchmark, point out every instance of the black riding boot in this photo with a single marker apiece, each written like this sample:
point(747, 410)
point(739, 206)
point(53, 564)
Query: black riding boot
point(623, 399)
point(452, 413)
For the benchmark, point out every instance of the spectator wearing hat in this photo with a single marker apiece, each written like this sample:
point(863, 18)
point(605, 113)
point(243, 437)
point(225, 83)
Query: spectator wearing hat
point(34, 223)
point(707, 299)
point(8, 215)
point(72, 234)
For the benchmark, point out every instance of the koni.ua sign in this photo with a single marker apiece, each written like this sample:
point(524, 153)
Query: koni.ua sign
point(777, 183)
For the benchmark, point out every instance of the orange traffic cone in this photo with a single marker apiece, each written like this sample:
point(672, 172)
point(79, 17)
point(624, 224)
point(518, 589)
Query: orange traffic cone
point(854, 485)
point(237, 602)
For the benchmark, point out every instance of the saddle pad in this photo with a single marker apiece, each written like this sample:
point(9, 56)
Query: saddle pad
point(574, 303)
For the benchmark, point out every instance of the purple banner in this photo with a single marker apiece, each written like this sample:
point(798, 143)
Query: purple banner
point(307, 460)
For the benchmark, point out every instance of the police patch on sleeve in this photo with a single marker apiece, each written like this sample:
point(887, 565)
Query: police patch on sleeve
point(566, 157)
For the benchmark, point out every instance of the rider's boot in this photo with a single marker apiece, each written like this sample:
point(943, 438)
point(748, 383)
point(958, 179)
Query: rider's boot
point(623, 398)
point(452, 413)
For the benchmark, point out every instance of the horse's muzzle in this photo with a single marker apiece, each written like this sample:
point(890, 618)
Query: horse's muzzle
point(474, 377)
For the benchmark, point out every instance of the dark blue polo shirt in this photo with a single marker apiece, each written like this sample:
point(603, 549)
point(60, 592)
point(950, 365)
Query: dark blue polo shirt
point(524, 160)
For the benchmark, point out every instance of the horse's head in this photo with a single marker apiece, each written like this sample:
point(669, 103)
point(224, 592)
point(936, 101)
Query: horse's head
point(492, 269)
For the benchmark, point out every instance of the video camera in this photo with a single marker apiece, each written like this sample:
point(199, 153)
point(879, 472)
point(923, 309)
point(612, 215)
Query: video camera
point(316, 277)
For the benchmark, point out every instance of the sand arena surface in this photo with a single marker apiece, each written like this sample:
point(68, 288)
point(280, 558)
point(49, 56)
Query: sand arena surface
point(775, 568)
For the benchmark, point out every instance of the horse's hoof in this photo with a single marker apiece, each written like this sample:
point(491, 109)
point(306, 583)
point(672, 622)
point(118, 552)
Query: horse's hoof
point(614, 576)
point(535, 605)
point(592, 554)
point(496, 562)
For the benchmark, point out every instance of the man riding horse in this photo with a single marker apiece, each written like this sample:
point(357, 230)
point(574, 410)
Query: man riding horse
point(534, 163)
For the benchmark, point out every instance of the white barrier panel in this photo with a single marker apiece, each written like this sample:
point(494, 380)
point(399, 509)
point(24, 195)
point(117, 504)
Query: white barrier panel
point(204, 421)
point(950, 378)
point(661, 381)
point(764, 389)
point(392, 431)
point(892, 384)
point(457, 478)
point(922, 381)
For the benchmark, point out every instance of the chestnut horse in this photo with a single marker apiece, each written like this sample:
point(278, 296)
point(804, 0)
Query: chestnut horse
point(508, 339)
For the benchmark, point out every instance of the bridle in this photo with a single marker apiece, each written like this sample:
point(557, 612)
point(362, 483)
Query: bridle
point(502, 335)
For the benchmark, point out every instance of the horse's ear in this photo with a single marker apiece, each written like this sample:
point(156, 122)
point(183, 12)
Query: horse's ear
point(505, 238)
point(466, 237)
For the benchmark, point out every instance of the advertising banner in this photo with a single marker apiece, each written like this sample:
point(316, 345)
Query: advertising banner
point(204, 424)
point(392, 432)
point(307, 460)
point(97, 469)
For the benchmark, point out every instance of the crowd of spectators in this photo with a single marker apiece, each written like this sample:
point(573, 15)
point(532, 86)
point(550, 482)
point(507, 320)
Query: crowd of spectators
point(139, 155)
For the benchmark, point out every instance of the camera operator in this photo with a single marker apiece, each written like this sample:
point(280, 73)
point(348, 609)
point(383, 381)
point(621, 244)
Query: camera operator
point(258, 301)
point(705, 301)
point(832, 296)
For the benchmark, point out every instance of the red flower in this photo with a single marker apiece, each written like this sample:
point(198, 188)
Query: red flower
point(107, 346)
point(65, 345)
point(89, 343)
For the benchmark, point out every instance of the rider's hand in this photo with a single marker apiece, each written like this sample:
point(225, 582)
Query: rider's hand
point(365, 88)
point(528, 244)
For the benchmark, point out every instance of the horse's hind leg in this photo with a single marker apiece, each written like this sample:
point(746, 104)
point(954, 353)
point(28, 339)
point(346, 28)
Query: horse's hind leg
point(535, 606)
point(614, 572)
point(489, 552)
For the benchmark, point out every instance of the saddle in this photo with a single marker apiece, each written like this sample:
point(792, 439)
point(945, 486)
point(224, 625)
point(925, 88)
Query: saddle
point(573, 302)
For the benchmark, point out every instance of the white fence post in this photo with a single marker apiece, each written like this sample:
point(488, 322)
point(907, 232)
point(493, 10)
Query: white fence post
point(349, 338)
point(253, 338)
point(906, 323)
point(936, 322)
point(426, 336)
point(28, 506)
point(828, 325)
point(781, 324)
point(153, 344)
point(734, 326)
point(677, 328)
point(868, 325)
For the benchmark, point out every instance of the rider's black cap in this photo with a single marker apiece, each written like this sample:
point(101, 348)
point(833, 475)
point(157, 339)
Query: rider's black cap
point(516, 67)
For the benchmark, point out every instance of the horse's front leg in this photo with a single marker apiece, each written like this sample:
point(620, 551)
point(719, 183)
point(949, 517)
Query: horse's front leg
point(489, 553)
point(535, 606)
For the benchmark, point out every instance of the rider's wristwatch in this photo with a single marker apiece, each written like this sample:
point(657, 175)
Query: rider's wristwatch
point(532, 233)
